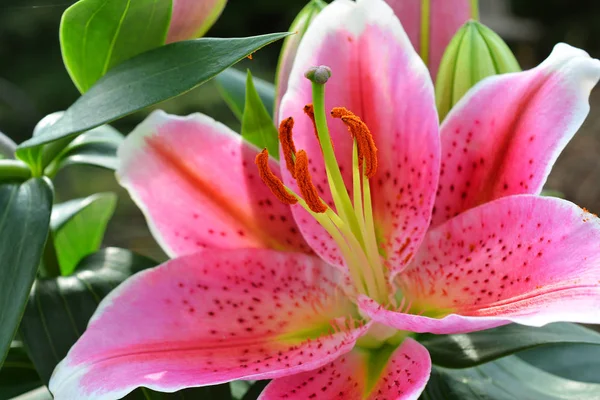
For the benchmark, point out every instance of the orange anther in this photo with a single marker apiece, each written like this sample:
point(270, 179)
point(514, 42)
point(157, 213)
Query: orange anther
point(367, 151)
point(309, 110)
point(287, 144)
point(307, 188)
point(271, 180)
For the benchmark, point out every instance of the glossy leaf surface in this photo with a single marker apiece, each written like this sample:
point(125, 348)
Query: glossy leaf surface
point(78, 227)
point(232, 86)
point(140, 82)
point(24, 220)
point(59, 309)
point(579, 362)
point(467, 350)
point(17, 375)
point(96, 35)
point(97, 148)
point(509, 378)
point(257, 125)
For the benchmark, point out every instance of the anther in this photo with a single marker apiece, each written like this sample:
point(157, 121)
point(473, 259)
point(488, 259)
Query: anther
point(287, 144)
point(367, 151)
point(307, 188)
point(271, 180)
point(309, 110)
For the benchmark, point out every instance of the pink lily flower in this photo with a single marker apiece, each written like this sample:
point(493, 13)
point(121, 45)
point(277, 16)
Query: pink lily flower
point(431, 24)
point(318, 276)
point(192, 18)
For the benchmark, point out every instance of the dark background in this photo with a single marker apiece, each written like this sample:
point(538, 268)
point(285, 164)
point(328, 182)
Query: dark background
point(33, 83)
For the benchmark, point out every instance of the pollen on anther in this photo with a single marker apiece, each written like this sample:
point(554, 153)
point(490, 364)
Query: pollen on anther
point(307, 188)
point(287, 144)
point(367, 151)
point(271, 180)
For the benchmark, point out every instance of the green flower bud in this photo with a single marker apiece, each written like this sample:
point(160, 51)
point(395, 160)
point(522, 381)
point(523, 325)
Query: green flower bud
point(474, 53)
point(290, 46)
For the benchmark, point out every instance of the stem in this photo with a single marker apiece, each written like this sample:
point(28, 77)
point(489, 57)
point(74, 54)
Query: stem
point(14, 169)
point(425, 31)
point(475, 9)
point(336, 181)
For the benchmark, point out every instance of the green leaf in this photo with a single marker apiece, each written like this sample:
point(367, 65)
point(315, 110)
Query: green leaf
point(578, 362)
point(96, 35)
point(232, 86)
point(257, 125)
point(78, 228)
point(17, 375)
point(24, 220)
point(255, 390)
point(140, 82)
point(467, 350)
point(7, 146)
point(218, 392)
point(97, 148)
point(59, 309)
point(509, 378)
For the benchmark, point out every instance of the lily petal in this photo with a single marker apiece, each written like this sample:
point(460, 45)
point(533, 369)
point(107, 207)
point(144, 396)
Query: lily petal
point(197, 184)
point(210, 318)
point(525, 259)
point(504, 136)
point(377, 75)
point(192, 18)
point(404, 378)
point(444, 19)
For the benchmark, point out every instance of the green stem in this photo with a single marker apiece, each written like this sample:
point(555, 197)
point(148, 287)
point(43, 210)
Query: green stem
point(337, 185)
point(425, 25)
point(51, 267)
point(475, 9)
point(14, 169)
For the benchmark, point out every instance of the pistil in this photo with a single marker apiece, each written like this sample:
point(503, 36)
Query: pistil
point(351, 224)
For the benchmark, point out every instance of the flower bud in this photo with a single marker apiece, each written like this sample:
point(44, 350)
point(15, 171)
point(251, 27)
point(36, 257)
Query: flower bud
point(290, 47)
point(192, 18)
point(431, 24)
point(474, 53)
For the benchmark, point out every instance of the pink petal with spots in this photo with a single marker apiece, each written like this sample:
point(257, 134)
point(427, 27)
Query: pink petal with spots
point(504, 136)
point(209, 318)
point(525, 259)
point(445, 18)
point(377, 75)
point(404, 378)
point(197, 184)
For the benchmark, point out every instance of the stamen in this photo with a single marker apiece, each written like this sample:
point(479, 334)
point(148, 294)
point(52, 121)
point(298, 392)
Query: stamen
point(309, 110)
point(307, 188)
point(287, 144)
point(367, 151)
point(271, 180)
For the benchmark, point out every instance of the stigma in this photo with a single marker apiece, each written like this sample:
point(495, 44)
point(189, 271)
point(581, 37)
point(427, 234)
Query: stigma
point(349, 220)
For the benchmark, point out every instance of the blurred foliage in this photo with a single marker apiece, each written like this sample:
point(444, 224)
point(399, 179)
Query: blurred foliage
point(34, 82)
point(574, 22)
